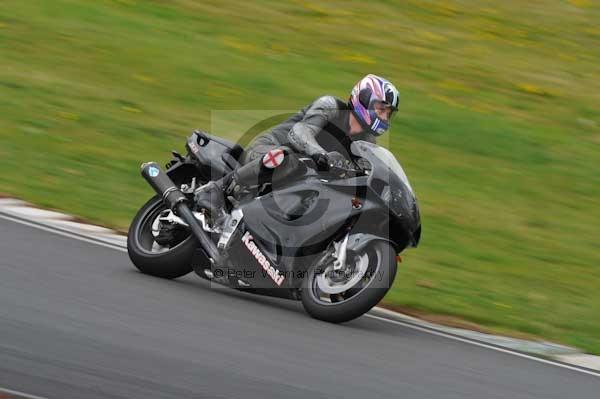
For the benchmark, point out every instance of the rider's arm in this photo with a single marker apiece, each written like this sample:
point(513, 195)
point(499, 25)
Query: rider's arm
point(303, 134)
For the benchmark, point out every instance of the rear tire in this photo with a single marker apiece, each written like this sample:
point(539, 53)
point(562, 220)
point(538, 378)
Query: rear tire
point(173, 262)
point(359, 299)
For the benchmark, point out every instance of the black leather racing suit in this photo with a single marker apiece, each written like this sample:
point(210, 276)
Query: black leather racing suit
point(321, 127)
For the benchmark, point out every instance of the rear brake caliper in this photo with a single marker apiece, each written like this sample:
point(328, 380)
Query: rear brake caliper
point(170, 231)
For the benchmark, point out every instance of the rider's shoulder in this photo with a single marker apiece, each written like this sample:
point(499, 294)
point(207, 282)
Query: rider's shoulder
point(328, 102)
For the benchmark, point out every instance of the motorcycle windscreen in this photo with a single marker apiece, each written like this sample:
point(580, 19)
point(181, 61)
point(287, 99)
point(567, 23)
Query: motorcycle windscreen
point(380, 159)
point(389, 181)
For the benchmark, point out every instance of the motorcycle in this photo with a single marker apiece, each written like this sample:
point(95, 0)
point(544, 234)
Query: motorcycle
point(327, 238)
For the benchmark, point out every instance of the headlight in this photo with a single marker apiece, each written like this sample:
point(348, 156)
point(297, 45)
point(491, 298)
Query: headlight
point(393, 199)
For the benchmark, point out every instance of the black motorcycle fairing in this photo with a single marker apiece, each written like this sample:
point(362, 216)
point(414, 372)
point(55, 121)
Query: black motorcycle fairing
point(289, 227)
point(182, 172)
point(219, 155)
point(388, 181)
point(244, 264)
point(296, 213)
point(294, 223)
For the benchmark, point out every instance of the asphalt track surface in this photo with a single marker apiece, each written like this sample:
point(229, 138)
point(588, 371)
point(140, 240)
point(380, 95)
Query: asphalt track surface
point(78, 321)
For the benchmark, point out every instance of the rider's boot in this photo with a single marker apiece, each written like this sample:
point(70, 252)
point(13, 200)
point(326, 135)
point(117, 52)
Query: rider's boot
point(211, 195)
point(214, 195)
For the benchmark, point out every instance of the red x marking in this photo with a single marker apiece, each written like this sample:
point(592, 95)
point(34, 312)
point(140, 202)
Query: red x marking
point(273, 158)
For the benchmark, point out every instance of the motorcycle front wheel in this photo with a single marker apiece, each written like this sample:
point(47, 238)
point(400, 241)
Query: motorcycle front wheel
point(343, 295)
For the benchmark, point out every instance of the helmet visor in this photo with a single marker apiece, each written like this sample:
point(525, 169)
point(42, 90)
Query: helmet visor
point(381, 114)
point(384, 111)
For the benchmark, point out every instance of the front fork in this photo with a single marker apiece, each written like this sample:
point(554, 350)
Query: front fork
point(340, 253)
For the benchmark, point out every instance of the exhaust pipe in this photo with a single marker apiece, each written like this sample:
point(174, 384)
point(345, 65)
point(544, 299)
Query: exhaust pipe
point(176, 200)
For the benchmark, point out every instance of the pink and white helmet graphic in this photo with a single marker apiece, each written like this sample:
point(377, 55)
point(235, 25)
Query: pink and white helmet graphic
point(368, 91)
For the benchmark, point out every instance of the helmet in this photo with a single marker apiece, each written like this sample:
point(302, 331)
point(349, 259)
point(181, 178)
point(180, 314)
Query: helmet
point(368, 92)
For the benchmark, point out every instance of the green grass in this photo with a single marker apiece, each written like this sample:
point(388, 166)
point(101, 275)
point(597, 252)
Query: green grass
point(499, 129)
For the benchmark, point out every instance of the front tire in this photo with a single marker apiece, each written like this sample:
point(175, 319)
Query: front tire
point(165, 262)
point(359, 298)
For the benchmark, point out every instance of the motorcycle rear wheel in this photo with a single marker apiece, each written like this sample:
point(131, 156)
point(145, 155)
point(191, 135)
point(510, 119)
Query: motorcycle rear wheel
point(357, 299)
point(150, 258)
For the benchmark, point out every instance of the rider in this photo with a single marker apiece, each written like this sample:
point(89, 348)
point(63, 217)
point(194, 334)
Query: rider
point(323, 130)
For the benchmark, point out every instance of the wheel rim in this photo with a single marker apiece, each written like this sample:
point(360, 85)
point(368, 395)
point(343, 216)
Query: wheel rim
point(332, 290)
point(149, 229)
point(334, 282)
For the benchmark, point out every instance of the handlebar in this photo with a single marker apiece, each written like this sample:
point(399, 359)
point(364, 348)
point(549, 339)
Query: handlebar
point(336, 170)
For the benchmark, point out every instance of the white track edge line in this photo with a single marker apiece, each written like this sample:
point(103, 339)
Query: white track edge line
point(22, 394)
point(429, 330)
point(484, 345)
point(63, 233)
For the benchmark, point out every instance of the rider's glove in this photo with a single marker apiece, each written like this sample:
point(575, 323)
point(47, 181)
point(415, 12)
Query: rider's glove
point(325, 161)
point(336, 159)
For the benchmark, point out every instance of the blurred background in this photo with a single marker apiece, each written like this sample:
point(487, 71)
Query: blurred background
point(498, 129)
